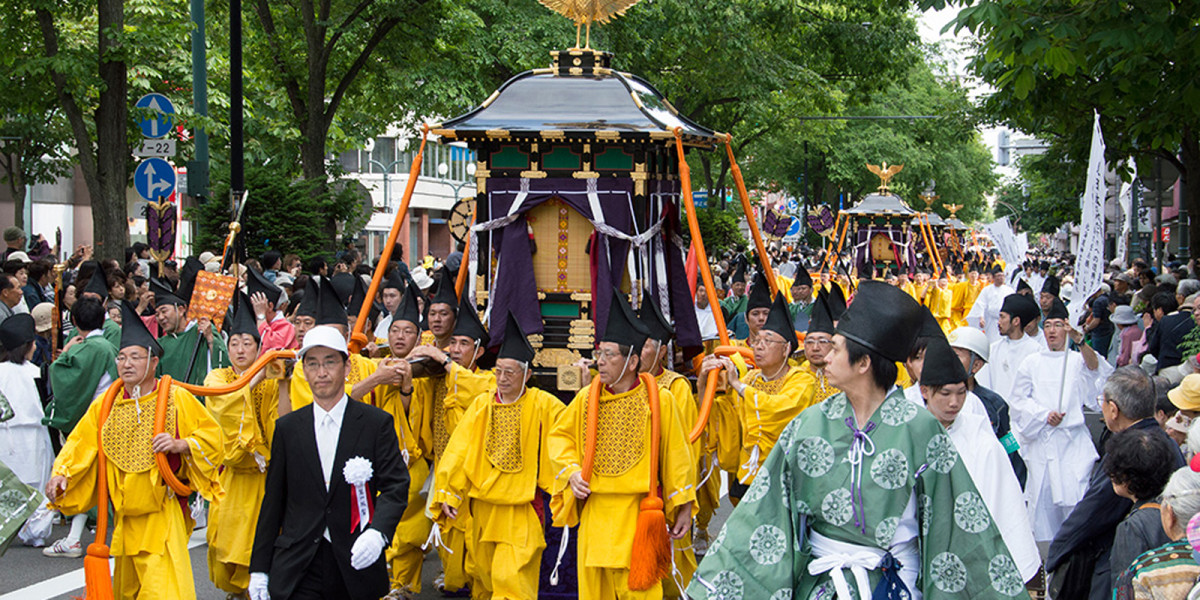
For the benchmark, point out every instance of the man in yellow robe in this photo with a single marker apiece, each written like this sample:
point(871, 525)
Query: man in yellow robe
point(621, 467)
point(151, 525)
point(817, 343)
point(939, 300)
point(708, 488)
point(495, 462)
point(444, 400)
point(767, 398)
point(247, 419)
point(391, 389)
point(325, 308)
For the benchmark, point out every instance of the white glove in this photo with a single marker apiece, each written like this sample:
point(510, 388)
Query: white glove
point(366, 549)
point(258, 587)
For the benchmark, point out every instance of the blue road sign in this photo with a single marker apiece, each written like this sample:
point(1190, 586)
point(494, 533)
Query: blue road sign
point(793, 207)
point(154, 178)
point(794, 228)
point(157, 125)
point(700, 198)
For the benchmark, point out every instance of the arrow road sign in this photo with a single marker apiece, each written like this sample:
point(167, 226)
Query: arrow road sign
point(154, 178)
point(157, 125)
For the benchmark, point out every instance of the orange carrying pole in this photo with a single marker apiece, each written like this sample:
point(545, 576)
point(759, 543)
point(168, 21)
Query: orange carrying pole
point(710, 389)
point(358, 339)
point(763, 258)
point(96, 574)
point(462, 270)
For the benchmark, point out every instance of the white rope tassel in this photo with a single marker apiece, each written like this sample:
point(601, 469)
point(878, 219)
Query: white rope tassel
point(562, 551)
point(435, 539)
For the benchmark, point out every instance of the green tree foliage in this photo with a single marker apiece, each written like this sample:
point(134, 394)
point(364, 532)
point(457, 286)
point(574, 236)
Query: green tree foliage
point(1045, 195)
point(720, 231)
point(1054, 62)
point(285, 213)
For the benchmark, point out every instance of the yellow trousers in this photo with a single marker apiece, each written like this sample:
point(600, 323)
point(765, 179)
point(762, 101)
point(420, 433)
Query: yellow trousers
point(167, 576)
point(405, 555)
point(505, 549)
point(599, 583)
point(231, 523)
point(457, 564)
point(683, 569)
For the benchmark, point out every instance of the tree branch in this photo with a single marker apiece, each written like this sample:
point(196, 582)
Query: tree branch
point(290, 85)
point(381, 32)
point(344, 26)
point(74, 114)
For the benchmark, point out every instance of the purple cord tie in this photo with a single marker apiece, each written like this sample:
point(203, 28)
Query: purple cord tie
point(858, 451)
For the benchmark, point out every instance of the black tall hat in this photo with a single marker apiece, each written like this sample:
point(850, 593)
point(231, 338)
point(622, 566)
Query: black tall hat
point(1058, 310)
point(760, 293)
point(739, 273)
point(134, 332)
point(623, 327)
point(97, 284)
point(163, 294)
point(330, 309)
point(929, 325)
point(310, 300)
point(408, 309)
point(1022, 307)
point(468, 324)
point(884, 319)
point(516, 344)
point(17, 331)
point(445, 292)
point(779, 320)
point(358, 297)
point(1051, 286)
point(187, 278)
point(343, 284)
point(821, 319)
point(243, 320)
point(394, 281)
point(256, 282)
point(837, 301)
point(802, 276)
point(995, 270)
point(942, 366)
point(1023, 286)
point(653, 319)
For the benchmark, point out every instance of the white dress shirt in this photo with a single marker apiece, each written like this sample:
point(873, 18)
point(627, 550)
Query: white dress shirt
point(328, 427)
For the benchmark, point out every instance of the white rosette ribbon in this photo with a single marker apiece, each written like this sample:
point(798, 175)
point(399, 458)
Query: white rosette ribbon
point(358, 472)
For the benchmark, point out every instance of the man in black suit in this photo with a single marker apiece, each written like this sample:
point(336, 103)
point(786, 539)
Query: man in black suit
point(306, 544)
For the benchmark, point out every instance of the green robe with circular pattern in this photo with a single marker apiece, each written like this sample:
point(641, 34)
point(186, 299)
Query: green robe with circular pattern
point(763, 551)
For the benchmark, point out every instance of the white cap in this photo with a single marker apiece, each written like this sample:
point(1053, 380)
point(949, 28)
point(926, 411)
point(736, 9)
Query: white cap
point(21, 256)
point(421, 278)
point(969, 338)
point(326, 337)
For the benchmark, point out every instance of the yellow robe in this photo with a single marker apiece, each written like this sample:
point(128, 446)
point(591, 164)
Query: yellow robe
point(405, 555)
point(824, 389)
point(910, 289)
point(707, 498)
point(620, 479)
point(919, 290)
point(150, 528)
point(443, 400)
point(764, 411)
point(938, 301)
point(247, 420)
point(300, 393)
point(495, 461)
point(958, 302)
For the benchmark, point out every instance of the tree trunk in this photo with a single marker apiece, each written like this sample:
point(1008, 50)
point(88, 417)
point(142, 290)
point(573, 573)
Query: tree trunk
point(1189, 177)
point(13, 167)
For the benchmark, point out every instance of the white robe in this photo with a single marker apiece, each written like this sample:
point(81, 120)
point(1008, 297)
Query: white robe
point(24, 441)
point(972, 406)
point(987, 308)
point(1004, 358)
point(987, 462)
point(1059, 458)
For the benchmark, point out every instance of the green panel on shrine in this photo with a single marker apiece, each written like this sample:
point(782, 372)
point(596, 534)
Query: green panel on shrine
point(510, 157)
point(561, 158)
point(614, 159)
point(560, 309)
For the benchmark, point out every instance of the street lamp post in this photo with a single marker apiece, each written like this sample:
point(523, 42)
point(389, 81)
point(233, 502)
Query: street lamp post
point(387, 170)
point(443, 169)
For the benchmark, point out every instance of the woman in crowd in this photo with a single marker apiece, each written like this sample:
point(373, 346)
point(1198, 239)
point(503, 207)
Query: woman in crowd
point(1139, 465)
point(1168, 571)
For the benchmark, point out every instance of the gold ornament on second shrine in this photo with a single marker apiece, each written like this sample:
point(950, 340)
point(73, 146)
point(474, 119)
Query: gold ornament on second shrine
point(885, 173)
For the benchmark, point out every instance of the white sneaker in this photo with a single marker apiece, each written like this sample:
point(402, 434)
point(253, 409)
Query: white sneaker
point(439, 583)
point(62, 549)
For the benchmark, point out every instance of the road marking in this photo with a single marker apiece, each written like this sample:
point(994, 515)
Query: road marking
point(73, 580)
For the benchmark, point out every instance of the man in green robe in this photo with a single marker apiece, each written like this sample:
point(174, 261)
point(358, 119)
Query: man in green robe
point(182, 339)
point(864, 495)
point(96, 287)
point(736, 303)
point(86, 367)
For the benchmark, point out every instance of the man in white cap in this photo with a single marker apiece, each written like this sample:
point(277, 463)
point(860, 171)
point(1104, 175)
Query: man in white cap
point(318, 534)
point(973, 351)
point(985, 313)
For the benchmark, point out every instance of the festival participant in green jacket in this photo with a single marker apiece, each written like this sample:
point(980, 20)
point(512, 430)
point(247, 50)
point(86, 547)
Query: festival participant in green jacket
point(180, 337)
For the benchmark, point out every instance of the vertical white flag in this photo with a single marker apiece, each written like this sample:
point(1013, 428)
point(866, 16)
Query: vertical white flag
point(1006, 243)
point(1089, 260)
point(1125, 200)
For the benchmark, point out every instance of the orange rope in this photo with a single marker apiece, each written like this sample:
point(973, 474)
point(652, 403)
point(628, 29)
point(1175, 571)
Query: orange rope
point(242, 380)
point(593, 422)
point(710, 290)
point(358, 339)
point(462, 270)
point(710, 389)
point(763, 258)
point(160, 421)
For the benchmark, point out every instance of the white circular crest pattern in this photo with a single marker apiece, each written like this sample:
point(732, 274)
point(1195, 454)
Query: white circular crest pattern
point(767, 545)
point(727, 585)
point(924, 504)
point(897, 411)
point(948, 573)
point(782, 594)
point(889, 469)
point(970, 513)
point(940, 453)
point(716, 544)
point(1006, 579)
point(834, 407)
point(814, 456)
point(837, 507)
point(885, 531)
point(759, 487)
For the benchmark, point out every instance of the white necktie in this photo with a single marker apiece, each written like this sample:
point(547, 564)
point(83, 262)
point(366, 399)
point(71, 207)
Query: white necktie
point(327, 446)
